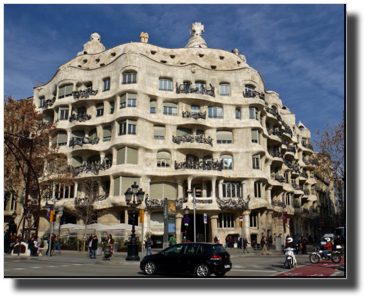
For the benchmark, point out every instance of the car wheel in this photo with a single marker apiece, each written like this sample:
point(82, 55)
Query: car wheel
point(314, 259)
point(220, 274)
point(203, 270)
point(150, 268)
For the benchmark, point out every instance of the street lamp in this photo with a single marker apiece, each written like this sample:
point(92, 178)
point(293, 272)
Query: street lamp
point(137, 196)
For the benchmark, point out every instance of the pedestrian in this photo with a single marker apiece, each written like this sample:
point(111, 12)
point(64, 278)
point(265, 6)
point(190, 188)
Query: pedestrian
point(215, 239)
point(253, 243)
point(172, 240)
point(57, 244)
point(7, 242)
point(264, 245)
point(31, 247)
point(13, 240)
point(218, 241)
point(148, 245)
point(245, 243)
point(94, 247)
point(12, 228)
point(227, 241)
point(270, 241)
point(50, 243)
point(230, 242)
point(90, 245)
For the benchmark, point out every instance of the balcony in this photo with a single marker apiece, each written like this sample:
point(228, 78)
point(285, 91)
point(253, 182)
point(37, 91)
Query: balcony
point(186, 89)
point(253, 94)
point(84, 93)
point(191, 139)
point(233, 204)
point(201, 165)
point(291, 149)
point(304, 174)
point(48, 103)
point(307, 145)
point(275, 133)
point(310, 161)
point(106, 139)
point(306, 192)
point(275, 153)
point(278, 178)
point(80, 117)
point(81, 141)
point(287, 129)
point(297, 187)
point(153, 204)
point(91, 167)
point(194, 115)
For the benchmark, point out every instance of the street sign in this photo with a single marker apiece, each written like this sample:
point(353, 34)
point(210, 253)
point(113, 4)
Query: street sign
point(204, 218)
point(186, 220)
point(141, 212)
point(241, 218)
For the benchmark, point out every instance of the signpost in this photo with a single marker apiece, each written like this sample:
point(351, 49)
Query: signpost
point(169, 214)
point(241, 225)
point(205, 222)
point(141, 212)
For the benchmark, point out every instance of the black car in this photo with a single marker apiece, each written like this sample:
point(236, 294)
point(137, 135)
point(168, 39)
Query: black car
point(201, 259)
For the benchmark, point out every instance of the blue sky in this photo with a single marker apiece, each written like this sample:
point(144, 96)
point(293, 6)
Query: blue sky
point(298, 49)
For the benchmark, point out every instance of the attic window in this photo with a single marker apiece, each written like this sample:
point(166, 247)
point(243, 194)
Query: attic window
point(102, 65)
point(97, 60)
point(172, 56)
point(79, 66)
point(85, 52)
point(284, 107)
point(182, 63)
point(163, 61)
point(221, 57)
point(113, 54)
point(153, 52)
point(201, 55)
point(213, 67)
point(238, 62)
point(85, 61)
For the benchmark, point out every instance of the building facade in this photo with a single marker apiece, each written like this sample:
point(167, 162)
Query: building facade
point(174, 120)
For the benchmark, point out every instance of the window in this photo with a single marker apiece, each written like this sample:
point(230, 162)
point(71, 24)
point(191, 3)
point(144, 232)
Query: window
point(227, 162)
point(254, 219)
point(127, 127)
point(165, 84)
point(153, 106)
point(42, 101)
point(107, 133)
point(127, 155)
point(215, 112)
point(231, 190)
point(128, 100)
point(256, 162)
point(64, 192)
point(169, 109)
point(121, 184)
point(111, 107)
point(258, 189)
point(93, 134)
point(238, 114)
point(106, 84)
point(183, 131)
point(163, 189)
point(159, 132)
point(254, 113)
point(100, 110)
point(286, 175)
point(289, 199)
point(224, 89)
point(64, 113)
point(200, 85)
point(195, 109)
point(65, 91)
point(255, 136)
point(76, 161)
point(163, 159)
point(249, 91)
point(61, 138)
point(224, 137)
point(226, 220)
point(129, 78)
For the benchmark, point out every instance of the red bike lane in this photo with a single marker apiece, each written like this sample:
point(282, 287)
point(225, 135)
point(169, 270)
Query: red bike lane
point(321, 269)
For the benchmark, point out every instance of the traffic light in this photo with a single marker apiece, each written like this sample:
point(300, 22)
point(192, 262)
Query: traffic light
point(241, 224)
point(53, 216)
point(141, 212)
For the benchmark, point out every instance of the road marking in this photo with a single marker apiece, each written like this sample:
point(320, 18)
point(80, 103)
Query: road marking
point(77, 264)
point(19, 268)
point(254, 270)
point(36, 267)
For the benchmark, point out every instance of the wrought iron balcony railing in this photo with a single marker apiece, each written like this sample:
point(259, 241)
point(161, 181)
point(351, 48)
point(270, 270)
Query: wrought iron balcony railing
point(152, 204)
point(291, 149)
point(49, 103)
point(91, 167)
point(307, 145)
point(84, 93)
point(275, 133)
point(191, 139)
point(79, 117)
point(304, 174)
point(306, 192)
point(186, 89)
point(105, 139)
point(279, 203)
point(275, 153)
point(233, 204)
point(252, 94)
point(310, 161)
point(204, 165)
point(297, 187)
point(194, 115)
point(287, 129)
point(278, 178)
point(81, 141)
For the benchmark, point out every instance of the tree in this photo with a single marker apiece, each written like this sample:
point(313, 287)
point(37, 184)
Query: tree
point(84, 209)
point(26, 151)
point(330, 157)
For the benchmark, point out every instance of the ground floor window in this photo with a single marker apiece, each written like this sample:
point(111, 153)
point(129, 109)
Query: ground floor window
point(226, 220)
point(254, 220)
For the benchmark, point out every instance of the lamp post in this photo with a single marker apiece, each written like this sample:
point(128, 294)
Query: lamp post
point(134, 198)
point(186, 210)
point(60, 214)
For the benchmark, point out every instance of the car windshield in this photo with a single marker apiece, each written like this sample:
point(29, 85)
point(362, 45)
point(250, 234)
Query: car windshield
point(174, 250)
point(219, 250)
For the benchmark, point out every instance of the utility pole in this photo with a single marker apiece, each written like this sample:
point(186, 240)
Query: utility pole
point(52, 224)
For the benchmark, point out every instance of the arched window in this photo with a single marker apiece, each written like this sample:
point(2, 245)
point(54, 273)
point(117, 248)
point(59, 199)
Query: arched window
point(163, 159)
point(129, 78)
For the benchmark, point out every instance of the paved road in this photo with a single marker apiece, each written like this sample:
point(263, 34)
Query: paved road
point(82, 266)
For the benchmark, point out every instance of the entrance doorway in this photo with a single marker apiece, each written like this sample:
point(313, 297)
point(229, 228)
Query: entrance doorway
point(188, 231)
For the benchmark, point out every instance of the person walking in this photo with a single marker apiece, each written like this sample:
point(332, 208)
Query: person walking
point(13, 240)
point(90, 245)
point(7, 242)
point(94, 247)
point(57, 244)
point(264, 245)
point(215, 239)
point(31, 247)
point(230, 242)
point(245, 243)
point(227, 242)
point(148, 246)
point(172, 240)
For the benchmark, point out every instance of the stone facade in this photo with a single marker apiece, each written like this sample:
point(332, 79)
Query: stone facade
point(178, 119)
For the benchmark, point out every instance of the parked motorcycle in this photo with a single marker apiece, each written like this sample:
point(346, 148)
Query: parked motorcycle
point(335, 255)
point(289, 260)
